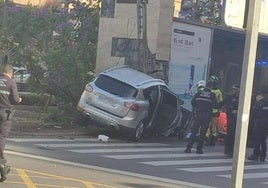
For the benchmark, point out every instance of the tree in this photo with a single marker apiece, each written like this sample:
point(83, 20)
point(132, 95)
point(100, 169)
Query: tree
point(204, 11)
point(57, 45)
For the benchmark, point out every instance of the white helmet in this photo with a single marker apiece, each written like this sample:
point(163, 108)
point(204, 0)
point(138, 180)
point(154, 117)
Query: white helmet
point(201, 83)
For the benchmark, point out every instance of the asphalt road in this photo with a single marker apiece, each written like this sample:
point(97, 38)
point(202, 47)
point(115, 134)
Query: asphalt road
point(155, 159)
point(32, 172)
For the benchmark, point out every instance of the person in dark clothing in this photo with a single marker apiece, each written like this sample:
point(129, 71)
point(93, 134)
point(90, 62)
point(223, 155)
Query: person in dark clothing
point(203, 102)
point(212, 132)
point(260, 116)
point(8, 95)
point(231, 106)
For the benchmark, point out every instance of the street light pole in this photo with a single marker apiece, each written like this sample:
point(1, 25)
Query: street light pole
point(142, 31)
point(144, 35)
point(245, 93)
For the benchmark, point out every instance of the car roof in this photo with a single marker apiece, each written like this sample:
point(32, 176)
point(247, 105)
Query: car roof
point(132, 77)
point(19, 68)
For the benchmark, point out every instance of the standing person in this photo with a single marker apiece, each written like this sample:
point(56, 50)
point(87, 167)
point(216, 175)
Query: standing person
point(212, 132)
point(231, 106)
point(260, 116)
point(200, 85)
point(203, 102)
point(8, 95)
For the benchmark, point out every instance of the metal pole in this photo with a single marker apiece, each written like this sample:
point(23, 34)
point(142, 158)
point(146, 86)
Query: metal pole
point(138, 20)
point(144, 35)
point(245, 93)
point(139, 32)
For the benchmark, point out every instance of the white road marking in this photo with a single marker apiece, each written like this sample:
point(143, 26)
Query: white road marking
point(51, 139)
point(249, 175)
point(69, 145)
point(222, 168)
point(207, 169)
point(187, 162)
point(121, 150)
point(165, 155)
point(138, 175)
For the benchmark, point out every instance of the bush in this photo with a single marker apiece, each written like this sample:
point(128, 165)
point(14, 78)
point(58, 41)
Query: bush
point(56, 113)
point(35, 99)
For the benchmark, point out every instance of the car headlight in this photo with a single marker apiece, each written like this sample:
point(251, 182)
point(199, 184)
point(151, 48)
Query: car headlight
point(89, 88)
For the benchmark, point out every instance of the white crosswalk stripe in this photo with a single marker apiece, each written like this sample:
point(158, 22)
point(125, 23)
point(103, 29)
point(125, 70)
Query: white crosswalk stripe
point(122, 150)
point(188, 162)
point(249, 175)
point(223, 168)
point(207, 169)
point(79, 145)
point(52, 139)
point(165, 155)
point(153, 154)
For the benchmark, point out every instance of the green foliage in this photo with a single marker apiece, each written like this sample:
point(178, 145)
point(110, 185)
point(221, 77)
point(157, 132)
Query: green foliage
point(34, 99)
point(62, 114)
point(204, 11)
point(57, 46)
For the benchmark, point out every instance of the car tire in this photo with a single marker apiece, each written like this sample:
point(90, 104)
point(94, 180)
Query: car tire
point(138, 131)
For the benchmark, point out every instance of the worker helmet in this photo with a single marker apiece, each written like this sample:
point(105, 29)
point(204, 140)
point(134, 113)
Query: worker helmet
point(213, 79)
point(201, 83)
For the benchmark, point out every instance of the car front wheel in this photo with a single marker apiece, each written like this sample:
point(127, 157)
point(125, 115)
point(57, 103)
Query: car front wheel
point(138, 131)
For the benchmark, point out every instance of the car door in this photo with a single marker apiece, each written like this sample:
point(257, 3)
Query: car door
point(168, 115)
point(152, 94)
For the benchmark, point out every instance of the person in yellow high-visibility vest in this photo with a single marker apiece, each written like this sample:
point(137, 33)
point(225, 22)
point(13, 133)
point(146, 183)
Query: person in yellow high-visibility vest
point(212, 132)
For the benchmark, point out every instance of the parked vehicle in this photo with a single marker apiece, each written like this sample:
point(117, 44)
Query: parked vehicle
point(20, 74)
point(129, 100)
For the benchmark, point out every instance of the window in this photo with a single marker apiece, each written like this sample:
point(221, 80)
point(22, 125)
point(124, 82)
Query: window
point(122, 47)
point(129, 1)
point(107, 8)
point(126, 1)
point(115, 87)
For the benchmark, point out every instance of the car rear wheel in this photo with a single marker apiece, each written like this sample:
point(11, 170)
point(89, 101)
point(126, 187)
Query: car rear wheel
point(138, 131)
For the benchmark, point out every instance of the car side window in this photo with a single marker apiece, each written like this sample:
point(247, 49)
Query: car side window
point(151, 94)
point(168, 98)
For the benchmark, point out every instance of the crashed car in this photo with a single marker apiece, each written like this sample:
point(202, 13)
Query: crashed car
point(129, 100)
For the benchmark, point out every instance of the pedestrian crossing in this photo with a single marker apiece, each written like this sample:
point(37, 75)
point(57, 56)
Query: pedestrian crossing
point(159, 156)
point(224, 168)
point(155, 155)
point(188, 162)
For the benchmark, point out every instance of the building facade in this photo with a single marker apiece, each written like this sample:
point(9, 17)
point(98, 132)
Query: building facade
point(119, 37)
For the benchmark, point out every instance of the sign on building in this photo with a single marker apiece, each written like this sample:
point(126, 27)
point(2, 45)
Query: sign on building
point(190, 50)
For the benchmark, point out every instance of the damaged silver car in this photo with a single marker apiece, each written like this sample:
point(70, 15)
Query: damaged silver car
point(129, 100)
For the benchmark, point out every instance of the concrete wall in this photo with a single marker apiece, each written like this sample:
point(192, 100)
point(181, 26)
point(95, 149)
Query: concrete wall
point(164, 30)
point(121, 22)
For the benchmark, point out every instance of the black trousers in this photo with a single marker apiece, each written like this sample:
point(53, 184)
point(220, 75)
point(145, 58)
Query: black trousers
point(259, 138)
point(5, 126)
point(201, 121)
point(230, 137)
